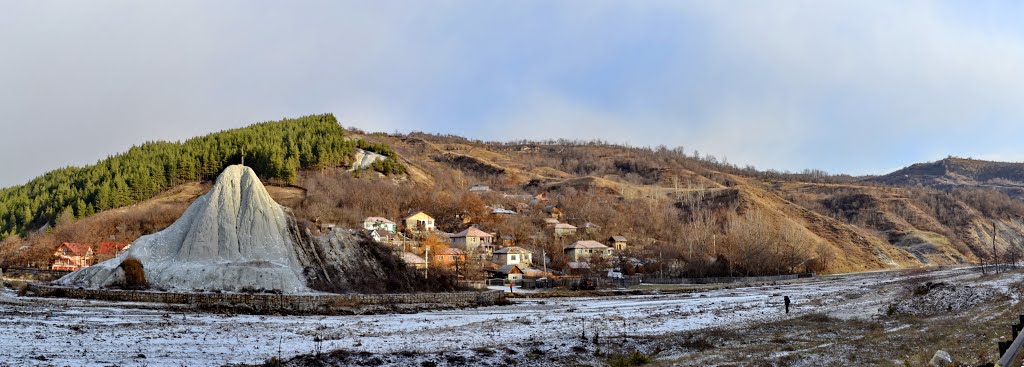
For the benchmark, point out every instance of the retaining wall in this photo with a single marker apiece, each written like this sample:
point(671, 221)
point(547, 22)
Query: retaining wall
point(716, 280)
point(29, 274)
point(262, 303)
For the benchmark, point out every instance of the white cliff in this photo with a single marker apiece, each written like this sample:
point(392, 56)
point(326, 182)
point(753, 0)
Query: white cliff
point(234, 238)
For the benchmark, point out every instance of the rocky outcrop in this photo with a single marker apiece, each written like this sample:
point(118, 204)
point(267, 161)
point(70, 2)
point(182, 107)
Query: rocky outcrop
point(364, 159)
point(234, 238)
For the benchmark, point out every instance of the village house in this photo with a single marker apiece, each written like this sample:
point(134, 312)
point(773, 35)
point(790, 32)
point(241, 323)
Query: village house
point(512, 256)
point(564, 230)
point(419, 222)
point(591, 228)
point(550, 222)
point(584, 250)
point(507, 240)
point(109, 250)
point(512, 273)
point(414, 261)
point(448, 258)
point(473, 240)
point(374, 223)
point(554, 212)
point(617, 242)
point(393, 239)
point(73, 256)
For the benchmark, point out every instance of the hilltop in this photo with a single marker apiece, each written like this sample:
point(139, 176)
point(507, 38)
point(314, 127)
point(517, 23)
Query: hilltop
point(683, 214)
point(953, 173)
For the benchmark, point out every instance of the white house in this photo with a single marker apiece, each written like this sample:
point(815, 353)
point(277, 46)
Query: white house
point(375, 223)
point(514, 255)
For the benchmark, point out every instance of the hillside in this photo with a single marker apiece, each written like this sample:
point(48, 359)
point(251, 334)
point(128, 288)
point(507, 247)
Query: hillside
point(275, 150)
point(953, 173)
point(683, 215)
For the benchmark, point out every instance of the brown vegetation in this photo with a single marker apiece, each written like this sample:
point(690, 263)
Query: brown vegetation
point(134, 274)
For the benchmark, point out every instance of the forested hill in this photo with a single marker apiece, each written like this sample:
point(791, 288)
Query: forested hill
point(275, 150)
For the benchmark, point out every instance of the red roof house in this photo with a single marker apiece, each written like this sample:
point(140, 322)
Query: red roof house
point(72, 256)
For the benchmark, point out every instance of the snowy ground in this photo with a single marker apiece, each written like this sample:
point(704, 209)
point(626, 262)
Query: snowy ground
point(88, 333)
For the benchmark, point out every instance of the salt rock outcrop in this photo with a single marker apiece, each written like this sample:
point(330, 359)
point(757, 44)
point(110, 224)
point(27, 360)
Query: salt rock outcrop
point(234, 238)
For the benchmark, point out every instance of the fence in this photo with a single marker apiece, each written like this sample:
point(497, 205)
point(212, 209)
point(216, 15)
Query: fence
point(716, 280)
point(1009, 351)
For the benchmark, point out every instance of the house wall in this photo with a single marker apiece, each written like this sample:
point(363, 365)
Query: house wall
point(413, 223)
point(585, 254)
point(379, 225)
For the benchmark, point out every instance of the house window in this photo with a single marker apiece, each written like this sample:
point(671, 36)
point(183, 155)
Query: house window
point(513, 257)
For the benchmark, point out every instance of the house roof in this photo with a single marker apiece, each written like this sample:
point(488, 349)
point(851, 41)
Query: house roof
point(586, 244)
point(550, 220)
point(502, 211)
point(417, 213)
point(472, 232)
point(411, 258)
point(578, 265)
point(77, 249)
point(618, 238)
point(110, 248)
point(591, 225)
point(449, 251)
point(512, 250)
point(564, 226)
point(510, 269)
point(379, 220)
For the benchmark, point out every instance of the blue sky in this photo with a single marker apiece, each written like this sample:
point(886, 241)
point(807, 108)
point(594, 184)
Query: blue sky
point(858, 87)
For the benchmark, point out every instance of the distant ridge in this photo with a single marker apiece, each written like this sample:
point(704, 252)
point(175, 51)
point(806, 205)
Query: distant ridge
point(952, 172)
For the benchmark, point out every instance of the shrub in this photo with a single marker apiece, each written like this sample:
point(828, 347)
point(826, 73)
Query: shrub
point(634, 359)
point(134, 274)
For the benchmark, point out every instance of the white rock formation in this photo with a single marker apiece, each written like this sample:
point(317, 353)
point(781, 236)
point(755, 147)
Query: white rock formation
point(234, 238)
point(364, 159)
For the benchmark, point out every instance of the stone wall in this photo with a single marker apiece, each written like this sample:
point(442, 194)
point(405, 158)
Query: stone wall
point(305, 304)
point(34, 275)
point(717, 280)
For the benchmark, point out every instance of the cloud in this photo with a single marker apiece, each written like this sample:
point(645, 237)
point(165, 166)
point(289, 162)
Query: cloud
point(847, 86)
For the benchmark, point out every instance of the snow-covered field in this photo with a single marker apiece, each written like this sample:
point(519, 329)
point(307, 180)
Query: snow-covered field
point(85, 333)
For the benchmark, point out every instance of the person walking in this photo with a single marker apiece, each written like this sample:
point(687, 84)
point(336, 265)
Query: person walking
point(786, 299)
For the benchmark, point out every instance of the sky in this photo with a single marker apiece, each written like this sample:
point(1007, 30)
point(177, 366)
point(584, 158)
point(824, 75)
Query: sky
point(858, 87)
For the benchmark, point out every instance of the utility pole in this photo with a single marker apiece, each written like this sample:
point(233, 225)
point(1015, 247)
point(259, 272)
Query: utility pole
point(544, 259)
point(995, 256)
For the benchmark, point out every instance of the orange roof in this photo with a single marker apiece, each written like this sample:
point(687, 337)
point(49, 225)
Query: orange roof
point(472, 232)
point(449, 251)
point(110, 248)
point(76, 249)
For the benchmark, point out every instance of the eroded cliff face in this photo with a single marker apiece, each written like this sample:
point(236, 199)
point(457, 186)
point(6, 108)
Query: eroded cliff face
point(234, 238)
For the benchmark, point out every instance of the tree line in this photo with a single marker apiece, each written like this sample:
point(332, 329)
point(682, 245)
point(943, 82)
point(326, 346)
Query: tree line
point(276, 150)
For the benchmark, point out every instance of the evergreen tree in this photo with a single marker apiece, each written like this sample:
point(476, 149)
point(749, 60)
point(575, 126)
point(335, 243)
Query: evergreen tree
point(275, 150)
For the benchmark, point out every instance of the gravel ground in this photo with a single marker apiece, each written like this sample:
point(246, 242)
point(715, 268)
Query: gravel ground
point(544, 331)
